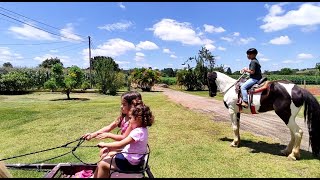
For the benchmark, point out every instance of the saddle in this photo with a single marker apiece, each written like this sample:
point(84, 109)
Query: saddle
point(261, 85)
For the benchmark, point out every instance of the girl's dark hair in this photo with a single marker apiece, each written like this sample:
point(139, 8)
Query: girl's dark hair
point(142, 113)
point(128, 96)
point(131, 95)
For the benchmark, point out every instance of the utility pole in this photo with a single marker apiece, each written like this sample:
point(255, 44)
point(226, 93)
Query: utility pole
point(90, 64)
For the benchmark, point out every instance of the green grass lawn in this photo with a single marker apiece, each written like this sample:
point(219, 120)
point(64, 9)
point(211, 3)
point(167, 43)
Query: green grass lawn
point(183, 143)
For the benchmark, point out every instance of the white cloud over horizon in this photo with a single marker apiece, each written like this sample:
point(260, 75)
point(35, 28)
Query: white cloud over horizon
point(308, 14)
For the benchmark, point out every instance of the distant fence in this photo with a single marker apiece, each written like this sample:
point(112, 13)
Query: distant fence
point(297, 79)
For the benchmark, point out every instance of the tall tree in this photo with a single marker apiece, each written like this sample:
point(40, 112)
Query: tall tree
point(48, 63)
point(73, 78)
point(318, 66)
point(7, 65)
point(168, 72)
point(197, 77)
point(207, 58)
point(229, 72)
point(106, 70)
point(286, 71)
point(145, 78)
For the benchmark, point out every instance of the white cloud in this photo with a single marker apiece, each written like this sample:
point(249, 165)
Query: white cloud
point(291, 62)
point(64, 59)
point(122, 62)
point(170, 65)
point(237, 39)
point(280, 40)
point(68, 33)
point(124, 25)
point(210, 47)
point(54, 51)
point(246, 40)
point(173, 56)
point(305, 56)
point(30, 33)
point(139, 56)
point(236, 34)
point(7, 56)
point(307, 14)
point(165, 50)
point(145, 65)
point(171, 30)
point(260, 55)
point(264, 59)
point(147, 45)
point(212, 29)
point(113, 48)
point(221, 48)
point(227, 39)
point(121, 5)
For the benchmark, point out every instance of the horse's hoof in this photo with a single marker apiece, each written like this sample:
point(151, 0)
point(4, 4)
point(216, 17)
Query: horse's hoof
point(284, 152)
point(234, 145)
point(292, 158)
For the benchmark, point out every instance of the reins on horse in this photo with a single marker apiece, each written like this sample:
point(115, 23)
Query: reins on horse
point(80, 141)
point(234, 83)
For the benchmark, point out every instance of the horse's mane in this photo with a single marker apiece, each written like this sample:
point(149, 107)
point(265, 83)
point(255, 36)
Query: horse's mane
point(225, 77)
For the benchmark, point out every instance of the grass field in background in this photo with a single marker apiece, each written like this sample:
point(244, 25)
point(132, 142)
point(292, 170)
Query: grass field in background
point(183, 143)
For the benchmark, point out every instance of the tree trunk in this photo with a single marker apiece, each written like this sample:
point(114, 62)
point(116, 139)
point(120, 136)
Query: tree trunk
point(68, 93)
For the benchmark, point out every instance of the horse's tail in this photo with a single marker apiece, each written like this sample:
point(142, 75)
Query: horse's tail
point(312, 115)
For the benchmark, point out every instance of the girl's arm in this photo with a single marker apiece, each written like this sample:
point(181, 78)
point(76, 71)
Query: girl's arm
point(117, 144)
point(108, 128)
point(116, 137)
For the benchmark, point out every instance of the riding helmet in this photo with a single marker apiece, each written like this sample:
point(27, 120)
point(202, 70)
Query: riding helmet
point(252, 51)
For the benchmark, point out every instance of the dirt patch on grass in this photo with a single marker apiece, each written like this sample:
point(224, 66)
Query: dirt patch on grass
point(314, 90)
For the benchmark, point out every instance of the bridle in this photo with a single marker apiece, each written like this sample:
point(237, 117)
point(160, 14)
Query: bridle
point(233, 83)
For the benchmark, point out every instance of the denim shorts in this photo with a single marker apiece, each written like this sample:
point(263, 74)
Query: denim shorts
point(124, 165)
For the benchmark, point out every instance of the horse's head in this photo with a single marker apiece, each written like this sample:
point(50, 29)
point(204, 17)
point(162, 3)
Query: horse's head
point(212, 85)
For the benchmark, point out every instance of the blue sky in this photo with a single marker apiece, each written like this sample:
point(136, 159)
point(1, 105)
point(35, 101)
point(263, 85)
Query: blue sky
point(160, 34)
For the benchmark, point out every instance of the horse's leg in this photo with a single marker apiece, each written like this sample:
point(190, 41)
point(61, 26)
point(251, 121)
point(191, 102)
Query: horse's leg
point(235, 123)
point(293, 148)
point(295, 153)
point(289, 148)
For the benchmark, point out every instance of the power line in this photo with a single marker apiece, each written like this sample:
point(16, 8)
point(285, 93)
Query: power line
point(65, 49)
point(39, 21)
point(32, 58)
point(38, 27)
point(24, 44)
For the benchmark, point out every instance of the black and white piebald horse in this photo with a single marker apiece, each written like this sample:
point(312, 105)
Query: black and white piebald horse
point(284, 97)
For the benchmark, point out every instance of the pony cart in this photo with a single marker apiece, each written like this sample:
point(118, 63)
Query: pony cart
point(80, 170)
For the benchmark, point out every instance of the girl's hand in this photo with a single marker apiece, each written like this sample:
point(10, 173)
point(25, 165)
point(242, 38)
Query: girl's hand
point(103, 152)
point(102, 136)
point(101, 145)
point(87, 136)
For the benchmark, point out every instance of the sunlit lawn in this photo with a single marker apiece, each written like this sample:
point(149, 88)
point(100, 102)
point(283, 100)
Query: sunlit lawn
point(183, 143)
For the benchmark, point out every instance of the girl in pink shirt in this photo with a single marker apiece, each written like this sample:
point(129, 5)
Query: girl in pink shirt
point(136, 142)
point(122, 121)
